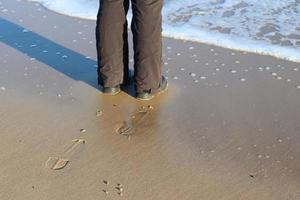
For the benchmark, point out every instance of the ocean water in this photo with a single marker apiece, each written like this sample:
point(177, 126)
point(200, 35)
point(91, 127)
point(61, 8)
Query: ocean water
point(270, 27)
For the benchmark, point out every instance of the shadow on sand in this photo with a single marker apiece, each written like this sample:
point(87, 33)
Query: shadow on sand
point(62, 59)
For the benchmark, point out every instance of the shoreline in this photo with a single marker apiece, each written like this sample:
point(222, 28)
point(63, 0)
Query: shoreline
point(250, 46)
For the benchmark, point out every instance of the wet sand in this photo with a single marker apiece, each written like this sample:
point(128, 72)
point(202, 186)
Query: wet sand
point(227, 128)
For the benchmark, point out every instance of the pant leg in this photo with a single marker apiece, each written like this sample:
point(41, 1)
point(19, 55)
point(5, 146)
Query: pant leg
point(146, 27)
point(111, 39)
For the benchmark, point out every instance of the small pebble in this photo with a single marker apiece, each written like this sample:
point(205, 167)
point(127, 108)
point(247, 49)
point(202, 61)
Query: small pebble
point(192, 74)
point(99, 113)
point(150, 107)
point(105, 191)
point(105, 182)
point(120, 193)
point(82, 130)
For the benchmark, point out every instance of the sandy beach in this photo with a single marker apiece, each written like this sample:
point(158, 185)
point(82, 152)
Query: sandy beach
point(227, 129)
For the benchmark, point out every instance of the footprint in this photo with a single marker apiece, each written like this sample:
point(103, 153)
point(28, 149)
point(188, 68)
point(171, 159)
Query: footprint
point(57, 163)
point(129, 127)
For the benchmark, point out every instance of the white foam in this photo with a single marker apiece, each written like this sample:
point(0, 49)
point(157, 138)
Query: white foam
point(86, 9)
point(270, 27)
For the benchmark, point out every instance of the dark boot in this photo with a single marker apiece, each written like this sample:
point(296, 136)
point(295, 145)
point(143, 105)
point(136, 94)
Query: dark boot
point(111, 90)
point(147, 94)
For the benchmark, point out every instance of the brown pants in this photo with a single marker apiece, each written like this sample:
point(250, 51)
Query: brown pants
point(112, 43)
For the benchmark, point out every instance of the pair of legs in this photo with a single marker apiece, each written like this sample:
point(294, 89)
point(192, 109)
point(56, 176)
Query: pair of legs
point(112, 43)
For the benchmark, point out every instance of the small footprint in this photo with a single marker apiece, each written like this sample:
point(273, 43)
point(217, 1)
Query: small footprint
point(118, 188)
point(57, 163)
point(129, 127)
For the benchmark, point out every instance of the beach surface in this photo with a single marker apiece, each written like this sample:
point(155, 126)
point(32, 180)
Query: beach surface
point(228, 127)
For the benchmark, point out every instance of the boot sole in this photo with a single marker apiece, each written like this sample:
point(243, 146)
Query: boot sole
point(160, 92)
point(111, 94)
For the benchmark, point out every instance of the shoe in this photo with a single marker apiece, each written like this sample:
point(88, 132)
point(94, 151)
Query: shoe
point(147, 95)
point(111, 90)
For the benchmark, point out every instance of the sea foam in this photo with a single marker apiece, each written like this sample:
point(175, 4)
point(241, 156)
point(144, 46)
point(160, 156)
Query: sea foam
point(270, 27)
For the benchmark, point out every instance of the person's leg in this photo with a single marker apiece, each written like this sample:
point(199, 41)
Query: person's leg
point(111, 38)
point(146, 27)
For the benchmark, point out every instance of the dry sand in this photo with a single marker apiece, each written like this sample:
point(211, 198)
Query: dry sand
point(227, 129)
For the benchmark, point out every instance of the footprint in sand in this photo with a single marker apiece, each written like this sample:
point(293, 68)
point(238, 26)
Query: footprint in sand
point(57, 163)
point(118, 188)
point(129, 127)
